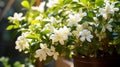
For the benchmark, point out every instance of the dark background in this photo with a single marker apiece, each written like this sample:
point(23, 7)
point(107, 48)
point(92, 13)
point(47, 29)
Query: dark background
point(8, 38)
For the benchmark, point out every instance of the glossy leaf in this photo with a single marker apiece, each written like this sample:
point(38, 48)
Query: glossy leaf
point(99, 2)
point(10, 27)
point(25, 4)
point(84, 2)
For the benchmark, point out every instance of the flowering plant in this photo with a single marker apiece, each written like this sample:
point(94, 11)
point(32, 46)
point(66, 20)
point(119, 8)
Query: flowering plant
point(63, 27)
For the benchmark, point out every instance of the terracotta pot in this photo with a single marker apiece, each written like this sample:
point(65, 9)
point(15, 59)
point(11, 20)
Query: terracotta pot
point(62, 62)
point(112, 61)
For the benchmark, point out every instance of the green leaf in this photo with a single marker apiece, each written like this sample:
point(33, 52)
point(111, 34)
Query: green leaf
point(32, 2)
point(118, 4)
point(67, 1)
point(25, 4)
point(34, 21)
point(61, 1)
point(45, 31)
point(84, 2)
point(10, 27)
point(99, 2)
point(18, 64)
point(33, 36)
point(4, 61)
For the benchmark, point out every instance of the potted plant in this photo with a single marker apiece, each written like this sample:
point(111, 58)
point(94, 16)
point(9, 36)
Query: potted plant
point(63, 28)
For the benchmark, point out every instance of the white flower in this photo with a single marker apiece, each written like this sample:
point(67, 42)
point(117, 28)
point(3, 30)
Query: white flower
point(85, 34)
point(65, 31)
point(57, 36)
point(43, 52)
point(82, 14)
point(74, 19)
point(31, 65)
point(109, 9)
point(103, 29)
point(95, 19)
point(40, 17)
point(100, 35)
point(52, 3)
point(52, 20)
point(106, 1)
point(109, 27)
point(60, 35)
point(86, 25)
point(75, 33)
point(39, 8)
point(21, 43)
point(40, 54)
point(75, 1)
point(46, 50)
point(55, 54)
point(16, 17)
point(48, 27)
point(78, 29)
point(68, 12)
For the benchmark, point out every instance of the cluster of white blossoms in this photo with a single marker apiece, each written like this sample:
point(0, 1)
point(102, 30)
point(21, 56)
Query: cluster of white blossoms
point(45, 51)
point(84, 32)
point(22, 43)
point(60, 35)
point(76, 17)
point(108, 9)
point(69, 24)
